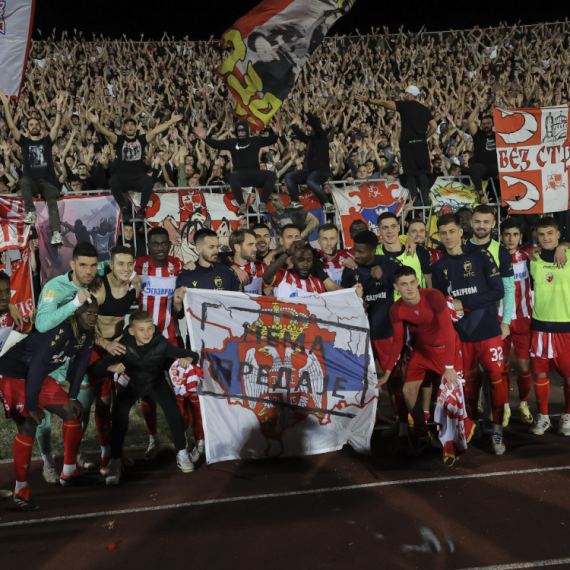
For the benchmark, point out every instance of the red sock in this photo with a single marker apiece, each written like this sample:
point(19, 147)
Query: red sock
point(148, 407)
point(567, 397)
point(71, 440)
point(499, 396)
point(524, 383)
point(507, 378)
point(542, 392)
point(23, 446)
point(471, 391)
point(103, 424)
point(197, 427)
point(181, 401)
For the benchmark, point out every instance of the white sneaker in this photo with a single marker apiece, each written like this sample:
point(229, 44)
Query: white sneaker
point(241, 210)
point(183, 462)
point(262, 209)
point(31, 218)
point(153, 449)
point(114, 473)
point(296, 205)
point(56, 239)
point(198, 451)
point(82, 462)
point(541, 424)
point(564, 425)
point(498, 444)
point(329, 208)
point(51, 476)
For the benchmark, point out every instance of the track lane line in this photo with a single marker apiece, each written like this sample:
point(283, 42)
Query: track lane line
point(520, 565)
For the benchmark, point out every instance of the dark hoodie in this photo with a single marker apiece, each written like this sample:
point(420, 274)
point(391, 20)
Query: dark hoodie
point(144, 365)
point(245, 152)
point(317, 151)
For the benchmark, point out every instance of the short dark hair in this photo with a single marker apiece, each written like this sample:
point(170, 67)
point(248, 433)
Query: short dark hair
point(548, 222)
point(158, 232)
point(448, 219)
point(368, 238)
point(139, 316)
point(386, 216)
point(404, 271)
point(465, 209)
point(510, 224)
point(121, 250)
point(84, 249)
point(485, 210)
point(238, 237)
point(259, 226)
point(202, 234)
point(290, 227)
point(327, 227)
point(487, 117)
point(416, 221)
point(4, 276)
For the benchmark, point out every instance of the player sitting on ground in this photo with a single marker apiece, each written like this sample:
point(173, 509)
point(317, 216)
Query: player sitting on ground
point(26, 389)
point(143, 364)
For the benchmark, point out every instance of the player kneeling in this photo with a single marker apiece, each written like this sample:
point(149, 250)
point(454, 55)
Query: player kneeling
point(27, 389)
point(142, 365)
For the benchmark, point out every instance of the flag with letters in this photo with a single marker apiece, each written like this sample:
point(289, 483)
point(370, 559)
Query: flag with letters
point(270, 45)
point(533, 150)
point(16, 20)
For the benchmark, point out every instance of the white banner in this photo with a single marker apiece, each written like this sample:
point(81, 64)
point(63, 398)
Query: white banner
point(282, 377)
point(16, 19)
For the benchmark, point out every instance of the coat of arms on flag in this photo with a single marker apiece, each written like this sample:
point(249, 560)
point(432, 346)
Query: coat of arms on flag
point(282, 377)
point(533, 150)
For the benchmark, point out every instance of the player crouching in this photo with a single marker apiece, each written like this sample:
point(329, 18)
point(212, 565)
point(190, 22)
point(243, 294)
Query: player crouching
point(143, 365)
point(26, 389)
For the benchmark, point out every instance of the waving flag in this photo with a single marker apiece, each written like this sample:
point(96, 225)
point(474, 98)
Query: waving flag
point(282, 378)
point(270, 45)
point(13, 232)
point(16, 20)
point(533, 148)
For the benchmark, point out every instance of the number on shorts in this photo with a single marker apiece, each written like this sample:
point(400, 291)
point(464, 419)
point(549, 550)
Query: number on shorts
point(496, 354)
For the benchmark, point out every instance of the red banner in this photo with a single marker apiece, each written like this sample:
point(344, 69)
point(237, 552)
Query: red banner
point(21, 284)
point(13, 232)
point(533, 149)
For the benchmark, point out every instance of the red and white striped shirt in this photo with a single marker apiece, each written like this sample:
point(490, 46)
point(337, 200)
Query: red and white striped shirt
point(335, 266)
point(159, 284)
point(6, 327)
point(523, 307)
point(289, 284)
point(256, 269)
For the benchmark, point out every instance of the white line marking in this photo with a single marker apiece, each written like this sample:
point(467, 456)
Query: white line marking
point(517, 565)
point(282, 495)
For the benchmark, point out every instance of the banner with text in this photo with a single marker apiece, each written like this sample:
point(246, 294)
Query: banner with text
point(366, 202)
point(533, 149)
point(282, 377)
point(271, 44)
point(16, 20)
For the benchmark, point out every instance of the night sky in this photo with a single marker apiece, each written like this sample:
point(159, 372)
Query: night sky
point(200, 18)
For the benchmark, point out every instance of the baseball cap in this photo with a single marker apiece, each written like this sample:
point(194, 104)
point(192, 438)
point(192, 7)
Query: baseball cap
point(412, 90)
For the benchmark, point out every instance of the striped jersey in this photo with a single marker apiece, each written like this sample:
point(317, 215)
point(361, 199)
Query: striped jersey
point(159, 284)
point(289, 284)
point(256, 269)
point(6, 327)
point(521, 264)
point(335, 266)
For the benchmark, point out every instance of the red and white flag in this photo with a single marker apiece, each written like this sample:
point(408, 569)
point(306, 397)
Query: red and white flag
point(533, 149)
point(13, 232)
point(16, 20)
point(21, 284)
point(271, 44)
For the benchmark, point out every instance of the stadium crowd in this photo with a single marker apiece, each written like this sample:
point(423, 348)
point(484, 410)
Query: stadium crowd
point(125, 115)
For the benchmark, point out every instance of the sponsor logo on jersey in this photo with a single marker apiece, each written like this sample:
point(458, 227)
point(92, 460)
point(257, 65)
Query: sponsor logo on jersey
point(49, 296)
point(464, 291)
point(549, 277)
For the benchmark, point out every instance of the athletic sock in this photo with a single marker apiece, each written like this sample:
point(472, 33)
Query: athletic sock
point(506, 406)
point(472, 393)
point(499, 396)
point(181, 401)
point(23, 446)
point(105, 450)
point(497, 429)
point(148, 408)
point(85, 398)
point(427, 415)
point(524, 383)
point(18, 489)
point(196, 411)
point(43, 434)
point(71, 440)
point(47, 458)
point(542, 391)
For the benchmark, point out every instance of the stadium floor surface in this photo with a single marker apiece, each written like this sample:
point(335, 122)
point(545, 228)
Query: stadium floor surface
point(324, 512)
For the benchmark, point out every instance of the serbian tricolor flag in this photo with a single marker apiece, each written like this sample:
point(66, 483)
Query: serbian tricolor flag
point(16, 20)
point(270, 46)
point(533, 150)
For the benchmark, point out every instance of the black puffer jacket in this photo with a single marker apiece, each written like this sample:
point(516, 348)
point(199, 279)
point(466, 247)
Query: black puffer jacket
point(144, 365)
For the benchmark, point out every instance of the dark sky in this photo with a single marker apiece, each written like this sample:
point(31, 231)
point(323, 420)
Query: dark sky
point(200, 18)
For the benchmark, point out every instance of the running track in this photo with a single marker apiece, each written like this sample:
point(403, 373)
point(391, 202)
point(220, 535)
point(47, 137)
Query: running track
point(322, 512)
